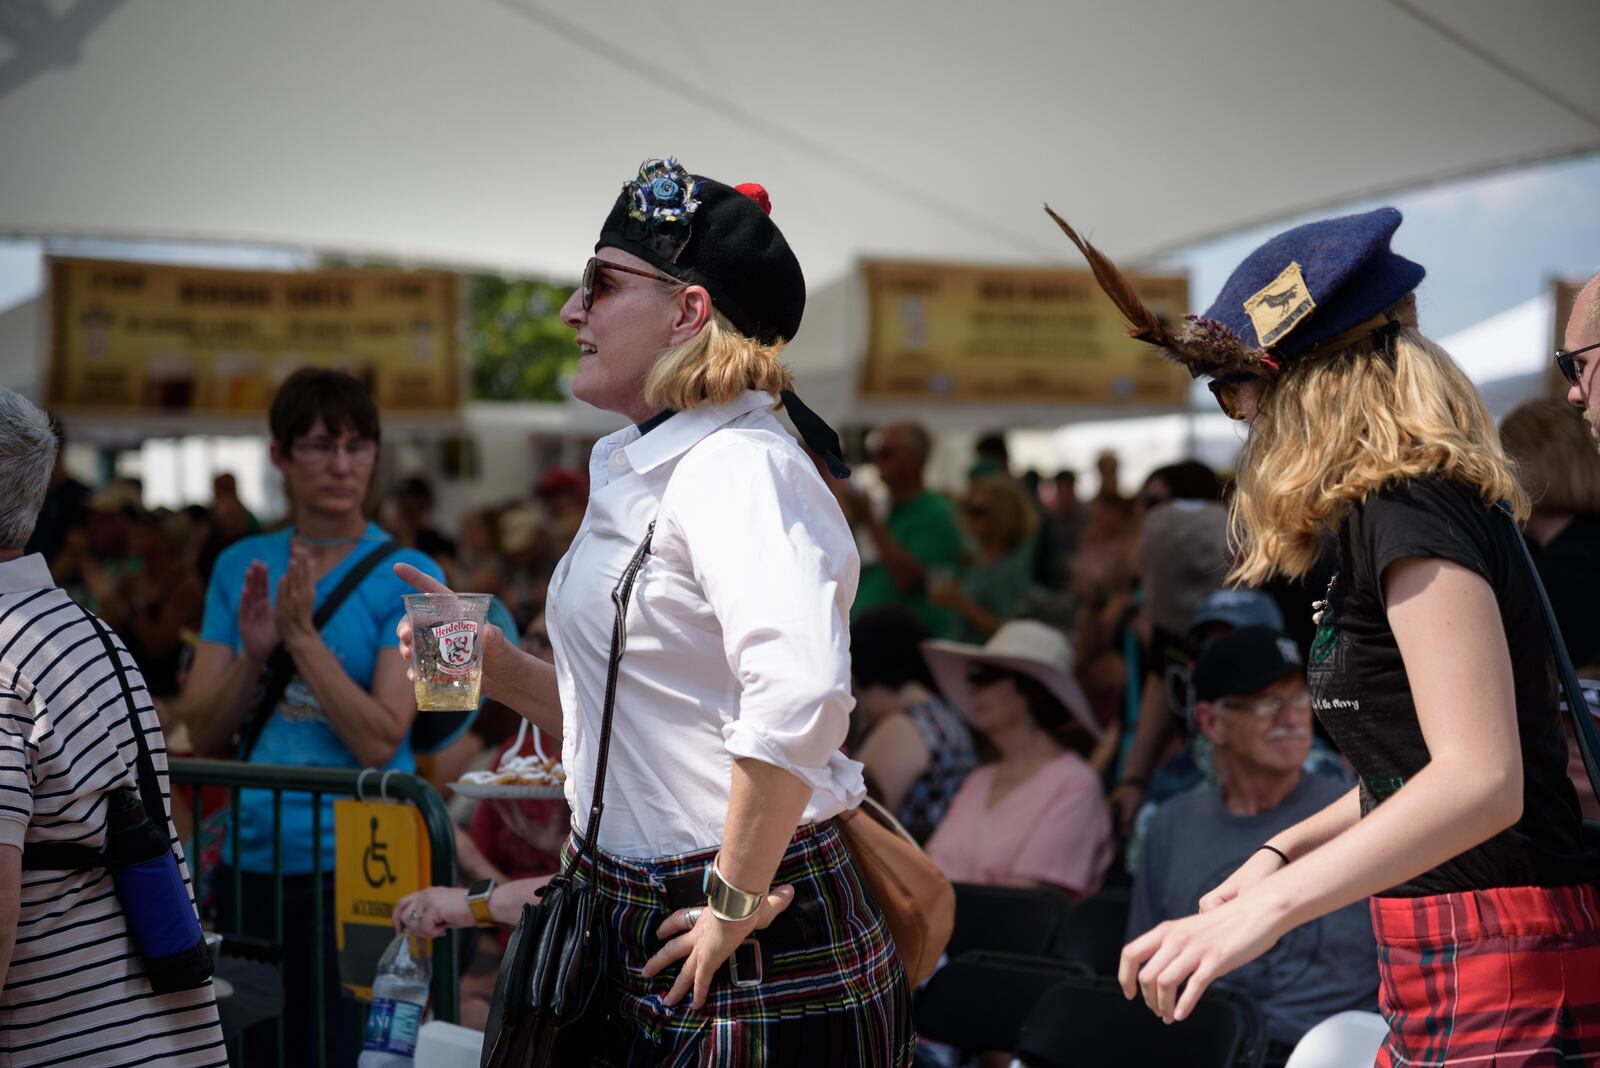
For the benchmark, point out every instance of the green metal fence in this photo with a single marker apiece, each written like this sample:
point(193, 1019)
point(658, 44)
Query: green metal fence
point(318, 782)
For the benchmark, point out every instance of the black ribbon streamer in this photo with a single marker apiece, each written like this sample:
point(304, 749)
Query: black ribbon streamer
point(821, 438)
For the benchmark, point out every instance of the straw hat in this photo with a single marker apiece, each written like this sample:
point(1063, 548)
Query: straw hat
point(1025, 646)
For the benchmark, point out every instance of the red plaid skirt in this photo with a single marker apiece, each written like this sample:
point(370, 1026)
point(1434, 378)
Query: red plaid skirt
point(1505, 978)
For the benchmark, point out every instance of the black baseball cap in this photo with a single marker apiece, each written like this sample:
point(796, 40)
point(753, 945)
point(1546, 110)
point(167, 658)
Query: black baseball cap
point(1245, 661)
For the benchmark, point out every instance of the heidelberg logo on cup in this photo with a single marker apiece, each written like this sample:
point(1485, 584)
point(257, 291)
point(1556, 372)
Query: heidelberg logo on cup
point(455, 645)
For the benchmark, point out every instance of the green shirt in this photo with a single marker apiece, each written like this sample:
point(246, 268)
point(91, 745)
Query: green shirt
point(1000, 588)
point(925, 526)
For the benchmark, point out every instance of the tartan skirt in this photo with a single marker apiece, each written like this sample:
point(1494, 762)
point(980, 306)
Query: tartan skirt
point(832, 991)
point(1503, 978)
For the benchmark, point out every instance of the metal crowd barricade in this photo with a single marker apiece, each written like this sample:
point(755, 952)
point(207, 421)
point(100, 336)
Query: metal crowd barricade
point(193, 775)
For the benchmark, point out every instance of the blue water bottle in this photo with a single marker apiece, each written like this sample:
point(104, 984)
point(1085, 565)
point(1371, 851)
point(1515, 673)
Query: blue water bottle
point(150, 887)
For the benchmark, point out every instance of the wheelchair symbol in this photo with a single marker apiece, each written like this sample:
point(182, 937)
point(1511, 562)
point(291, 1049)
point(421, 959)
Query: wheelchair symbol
point(376, 857)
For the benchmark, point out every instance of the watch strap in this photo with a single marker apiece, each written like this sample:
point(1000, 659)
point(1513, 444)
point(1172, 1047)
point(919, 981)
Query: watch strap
point(478, 902)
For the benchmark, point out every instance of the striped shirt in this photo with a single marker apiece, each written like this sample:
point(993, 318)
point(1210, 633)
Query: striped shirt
point(75, 992)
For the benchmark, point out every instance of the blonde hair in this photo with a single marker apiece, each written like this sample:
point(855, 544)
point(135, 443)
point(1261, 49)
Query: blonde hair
point(1342, 422)
point(1555, 462)
point(1014, 516)
point(714, 367)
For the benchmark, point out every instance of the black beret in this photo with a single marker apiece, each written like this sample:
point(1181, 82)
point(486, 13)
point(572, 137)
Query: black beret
point(705, 233)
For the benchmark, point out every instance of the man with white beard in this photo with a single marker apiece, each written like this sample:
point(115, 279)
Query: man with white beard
point(1580, 354)
point(1251, 701)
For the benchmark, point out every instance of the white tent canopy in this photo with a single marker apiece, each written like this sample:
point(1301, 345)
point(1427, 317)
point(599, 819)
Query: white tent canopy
point(494, 133)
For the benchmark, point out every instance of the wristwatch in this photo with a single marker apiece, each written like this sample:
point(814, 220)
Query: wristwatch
point(726, 901)
point(478, 900)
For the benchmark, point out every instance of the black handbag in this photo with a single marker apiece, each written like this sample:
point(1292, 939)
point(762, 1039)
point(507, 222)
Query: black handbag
point(547, 996)
point(1577, 706)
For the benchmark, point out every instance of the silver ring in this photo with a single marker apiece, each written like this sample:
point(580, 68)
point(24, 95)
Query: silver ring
point(693, 916)
point(414, 915)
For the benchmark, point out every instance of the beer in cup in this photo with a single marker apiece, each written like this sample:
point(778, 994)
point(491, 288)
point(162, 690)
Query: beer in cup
point(447, 648)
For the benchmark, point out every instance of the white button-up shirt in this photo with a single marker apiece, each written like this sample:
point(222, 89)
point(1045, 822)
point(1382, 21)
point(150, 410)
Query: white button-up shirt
point(738, 641)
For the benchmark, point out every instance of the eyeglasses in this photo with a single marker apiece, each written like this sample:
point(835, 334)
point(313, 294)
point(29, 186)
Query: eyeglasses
point(322, 450)
point(1267, 707)
point(1568, 362)
point(591, 274)
point(1229, 391)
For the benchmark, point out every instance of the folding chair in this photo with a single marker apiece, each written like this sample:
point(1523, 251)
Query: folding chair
point(1005, 919)
point(979, 1000)
point(1087, 1023)
point(1092, 932)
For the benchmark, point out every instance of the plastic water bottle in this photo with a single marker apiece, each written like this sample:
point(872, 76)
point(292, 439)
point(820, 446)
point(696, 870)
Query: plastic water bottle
point(399, 994)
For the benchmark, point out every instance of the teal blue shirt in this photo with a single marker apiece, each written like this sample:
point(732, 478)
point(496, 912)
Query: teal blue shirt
point(297, 733)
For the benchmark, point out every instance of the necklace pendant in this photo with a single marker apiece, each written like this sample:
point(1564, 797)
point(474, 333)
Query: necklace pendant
point(1319, 609)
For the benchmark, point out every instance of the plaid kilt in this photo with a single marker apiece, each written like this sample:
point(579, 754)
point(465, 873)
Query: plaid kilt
point(1508, 978)
point(832, 991)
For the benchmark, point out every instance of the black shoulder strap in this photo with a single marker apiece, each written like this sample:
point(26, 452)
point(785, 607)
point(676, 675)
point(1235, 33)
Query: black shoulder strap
point(619, 642)
point(1582, 722)
point(279, 669)
point(65, 856)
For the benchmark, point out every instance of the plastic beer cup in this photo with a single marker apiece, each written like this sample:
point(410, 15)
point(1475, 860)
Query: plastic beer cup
point(447, 648)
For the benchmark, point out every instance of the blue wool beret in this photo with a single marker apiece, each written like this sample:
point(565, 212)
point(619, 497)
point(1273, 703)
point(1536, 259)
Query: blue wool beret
point(1310, 283)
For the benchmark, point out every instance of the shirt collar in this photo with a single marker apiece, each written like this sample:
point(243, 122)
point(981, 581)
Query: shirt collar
point(683, 430)
point(25, 573)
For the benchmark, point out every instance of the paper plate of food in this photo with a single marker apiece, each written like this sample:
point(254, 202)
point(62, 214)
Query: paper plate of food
point(518, 776)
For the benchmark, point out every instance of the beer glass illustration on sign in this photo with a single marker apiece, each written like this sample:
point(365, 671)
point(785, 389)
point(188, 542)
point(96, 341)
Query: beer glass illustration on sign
point(447, 644)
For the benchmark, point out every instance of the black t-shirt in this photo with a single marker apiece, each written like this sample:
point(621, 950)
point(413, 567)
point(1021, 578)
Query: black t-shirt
point(1360, 690)
point(1570, 567)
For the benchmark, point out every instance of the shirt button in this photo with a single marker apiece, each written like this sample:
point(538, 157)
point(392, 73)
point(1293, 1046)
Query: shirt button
point(618, 459)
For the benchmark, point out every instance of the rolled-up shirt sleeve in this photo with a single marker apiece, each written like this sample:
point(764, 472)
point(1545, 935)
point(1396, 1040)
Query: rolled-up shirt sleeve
point(778, 566)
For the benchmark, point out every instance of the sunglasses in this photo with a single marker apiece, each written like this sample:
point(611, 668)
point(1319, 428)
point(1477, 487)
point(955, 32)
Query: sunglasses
point(1229, 391)
point(1568, 362)
point(986, 674)
point(591, 275)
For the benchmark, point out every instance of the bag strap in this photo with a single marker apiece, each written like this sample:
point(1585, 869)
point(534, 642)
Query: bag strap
point(279, 668)
point(67, 856)
point(620, 595)
point(1583, 724)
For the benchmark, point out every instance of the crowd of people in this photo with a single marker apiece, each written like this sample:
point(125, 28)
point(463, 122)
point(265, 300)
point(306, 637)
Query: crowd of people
point(1049, 689)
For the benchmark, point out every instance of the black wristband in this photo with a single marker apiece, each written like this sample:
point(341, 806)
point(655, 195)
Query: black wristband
point(1281, 855)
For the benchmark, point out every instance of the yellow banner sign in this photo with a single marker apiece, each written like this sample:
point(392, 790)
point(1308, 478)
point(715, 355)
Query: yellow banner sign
point(958, 333)
point(148, 337)
point(382, 855)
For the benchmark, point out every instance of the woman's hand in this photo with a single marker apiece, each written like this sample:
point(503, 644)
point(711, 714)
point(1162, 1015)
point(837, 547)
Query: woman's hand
point(1124, 801)
point(1259, 865)
point(704, 942)
point(1192, 953)
point(297, 599)
point(432, 912)
point(256, 625)
point(495, 646)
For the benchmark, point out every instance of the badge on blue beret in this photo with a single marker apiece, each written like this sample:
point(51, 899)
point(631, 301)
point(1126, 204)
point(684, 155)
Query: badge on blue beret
point(1299, 289)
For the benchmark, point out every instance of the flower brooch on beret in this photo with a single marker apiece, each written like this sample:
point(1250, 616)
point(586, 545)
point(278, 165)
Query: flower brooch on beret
point(663, 194)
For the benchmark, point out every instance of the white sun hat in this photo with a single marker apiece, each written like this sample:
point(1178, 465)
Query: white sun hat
point(1026, 646)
